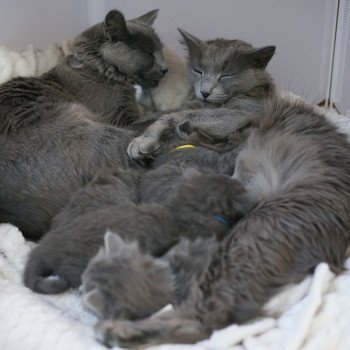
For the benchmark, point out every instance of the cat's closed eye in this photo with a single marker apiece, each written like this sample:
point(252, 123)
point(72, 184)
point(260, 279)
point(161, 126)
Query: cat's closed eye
point(226, 76)
point(197, 71)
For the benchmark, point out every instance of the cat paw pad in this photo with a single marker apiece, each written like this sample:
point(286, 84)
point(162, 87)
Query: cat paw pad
point(142, 147)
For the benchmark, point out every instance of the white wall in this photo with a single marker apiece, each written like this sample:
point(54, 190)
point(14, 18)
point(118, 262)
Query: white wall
point(301, 30)
point(41, 22)
point(298, 28)
point(340, 91)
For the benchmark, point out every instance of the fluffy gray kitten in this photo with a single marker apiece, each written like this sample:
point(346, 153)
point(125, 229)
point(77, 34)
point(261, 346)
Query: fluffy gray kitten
point(296, 168)
point(201, 206)
point(228, 73)
point(52, 141)
point(122, 282)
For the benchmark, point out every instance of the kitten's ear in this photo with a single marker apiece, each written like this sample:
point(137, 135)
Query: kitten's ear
point(148, 18)
point(185, 128)
point(115, 26)
point(95, 301)
point(261, 57)
point(190, 173)
point(193, 44)
point(113, 243)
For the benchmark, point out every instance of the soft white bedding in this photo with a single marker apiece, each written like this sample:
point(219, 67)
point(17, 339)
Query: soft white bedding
point(313, 315)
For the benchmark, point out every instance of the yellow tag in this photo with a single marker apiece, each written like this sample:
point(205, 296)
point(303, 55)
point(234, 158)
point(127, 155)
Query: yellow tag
point(185, 147)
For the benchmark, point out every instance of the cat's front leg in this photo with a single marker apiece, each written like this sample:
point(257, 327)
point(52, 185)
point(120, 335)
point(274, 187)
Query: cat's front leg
point(143, 147)
point(146, 145)
point(167, 327)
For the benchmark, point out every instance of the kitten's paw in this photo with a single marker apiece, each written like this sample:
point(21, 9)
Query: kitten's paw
point(142, 148)
point(119, 333)
point(157, 329)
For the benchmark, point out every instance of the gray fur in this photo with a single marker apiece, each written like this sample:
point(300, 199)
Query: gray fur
point(79, 229)
point(51, 139)
point(215, 125)
point(296, 167)
point(227, 73)
point(43, 164)
point(121, 282)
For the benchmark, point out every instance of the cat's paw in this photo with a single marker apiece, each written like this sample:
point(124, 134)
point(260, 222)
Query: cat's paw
point(119, 333)
point(142, 148)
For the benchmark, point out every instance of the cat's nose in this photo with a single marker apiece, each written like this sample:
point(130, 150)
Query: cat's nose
point(164, 70)
point(205, 94)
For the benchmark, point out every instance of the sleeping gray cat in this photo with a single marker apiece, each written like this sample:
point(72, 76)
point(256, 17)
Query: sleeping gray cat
point(52, 141)
point(296, 168)
point(201, 206)
point(228, 73)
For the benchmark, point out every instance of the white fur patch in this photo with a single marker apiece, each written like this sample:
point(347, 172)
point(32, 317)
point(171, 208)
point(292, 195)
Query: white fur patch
point(138, 92)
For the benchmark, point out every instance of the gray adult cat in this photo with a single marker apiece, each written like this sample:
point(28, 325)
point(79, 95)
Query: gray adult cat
point(228, 73)
point(52, 141)
point(296, 168)
point(201, 206)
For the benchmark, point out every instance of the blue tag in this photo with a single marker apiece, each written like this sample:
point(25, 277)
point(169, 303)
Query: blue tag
point(222, 220)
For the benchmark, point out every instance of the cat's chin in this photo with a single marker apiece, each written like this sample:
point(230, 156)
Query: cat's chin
point(148, 84)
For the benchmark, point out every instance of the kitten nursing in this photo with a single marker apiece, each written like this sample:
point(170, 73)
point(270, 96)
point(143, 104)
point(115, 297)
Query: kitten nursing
point(58, 130)
point(78, 229)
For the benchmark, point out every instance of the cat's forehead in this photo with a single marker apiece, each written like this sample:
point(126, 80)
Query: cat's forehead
point(220, 52)
point(143, 36)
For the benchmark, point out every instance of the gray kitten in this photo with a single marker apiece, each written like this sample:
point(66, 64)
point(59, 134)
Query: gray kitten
point(52, 141)
point(202, 206)
point(121, 282)
point(228, 73)
point(296, 167)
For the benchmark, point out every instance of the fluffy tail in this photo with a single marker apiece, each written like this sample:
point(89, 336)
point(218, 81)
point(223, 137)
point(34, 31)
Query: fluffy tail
point(40, 278)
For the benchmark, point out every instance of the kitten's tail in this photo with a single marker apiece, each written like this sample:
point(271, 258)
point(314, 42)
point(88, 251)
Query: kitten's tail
point(40, 278)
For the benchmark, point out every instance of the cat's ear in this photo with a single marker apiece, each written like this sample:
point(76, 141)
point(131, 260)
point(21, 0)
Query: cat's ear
point(113, 243)
point(193, 44)
point(184, 129)
point(148, 18)
point(115, 26)
point(95, 301)
point(262, 56)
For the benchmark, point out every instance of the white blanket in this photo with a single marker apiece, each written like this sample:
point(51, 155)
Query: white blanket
point(32, 61)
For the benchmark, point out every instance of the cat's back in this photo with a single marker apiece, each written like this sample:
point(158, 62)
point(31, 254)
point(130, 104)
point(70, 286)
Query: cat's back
point(42, 164)
point(295, 149)
point(21, 99)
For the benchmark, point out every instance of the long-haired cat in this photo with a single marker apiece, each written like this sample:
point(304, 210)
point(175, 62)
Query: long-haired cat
point(227, 73)
point(55, 130)
point(296, 168)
